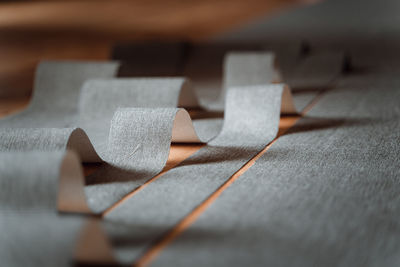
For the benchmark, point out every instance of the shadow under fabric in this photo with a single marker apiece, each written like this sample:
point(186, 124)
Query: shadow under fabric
point(32, 232)
point(236, 136)
point(97, 115)
point(327, 197)
point(251, 122)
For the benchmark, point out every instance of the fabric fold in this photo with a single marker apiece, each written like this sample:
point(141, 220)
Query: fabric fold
point(251, 122)
point(140, 139)
point(98, 103)
point(56, 93)
point(318, 193)
point(130, 124)
point(100, 99)
point(29, 198)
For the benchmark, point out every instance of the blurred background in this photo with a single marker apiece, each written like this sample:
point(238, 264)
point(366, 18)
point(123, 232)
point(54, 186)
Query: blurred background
point(88, 29)
point(157, 35)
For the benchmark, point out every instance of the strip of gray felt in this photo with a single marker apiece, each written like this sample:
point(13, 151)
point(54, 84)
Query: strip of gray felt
point(32, 232)
point(142, 134)
point(251, 121)
point(56, 93)
point(324, 194)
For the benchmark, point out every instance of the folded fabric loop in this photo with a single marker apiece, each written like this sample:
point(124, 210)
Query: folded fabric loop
point(134, 141)
point(56, 92)
point(41, 180)
point(101, 98)
point(139, 135)
point(246, 68)
point(252, 115)
point(131, 123)
point(250, 68)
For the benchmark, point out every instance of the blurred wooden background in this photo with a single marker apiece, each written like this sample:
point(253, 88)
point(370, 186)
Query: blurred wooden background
point(87, 29)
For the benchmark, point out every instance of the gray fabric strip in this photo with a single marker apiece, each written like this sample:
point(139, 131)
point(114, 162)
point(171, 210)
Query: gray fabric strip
point(139, 144)
point(32, 233)
point(314, 74)
point(244, 69)
point(98, 103)
point(138, 139)
point(251, 121)
point(325, 194)
point(144, 146)
point(56, 93)
point(101, 98)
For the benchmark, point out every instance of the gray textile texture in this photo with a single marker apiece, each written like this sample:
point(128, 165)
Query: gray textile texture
point(244, 69)
point(32, 233)
point(251, 121)
point(93, 110)
point(213, 69)
point(32, 145)
point(324, 194)
point(56, 93)
point(146, 138)
point(139, 144)
point(101, 98)
point(307, 76)
point(204, 65)
point(133, 153)
point(131, 128)
point(49, 122)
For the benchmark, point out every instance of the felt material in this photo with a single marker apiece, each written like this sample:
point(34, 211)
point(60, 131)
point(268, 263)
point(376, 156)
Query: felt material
point(98, 103)
point(324, 194)
point(317, 69)
point(255, 68)
point(31, 232)
point(129, 165)
point(250, 68)
point(48, 139)
point(245, 69)
point(213, 69)
point(313, 74)
point(56, 93)
point(49, 122)
point(135, 142)
point(251, 121)
point(101, 98)
point(204, 63)
point(140, 139)
point(306, 74)
point(138, 143)
point(138, 149)
point(204, 66)
point(145, 146)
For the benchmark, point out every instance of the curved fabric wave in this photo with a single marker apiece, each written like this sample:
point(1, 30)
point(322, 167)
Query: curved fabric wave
point(130, 124)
